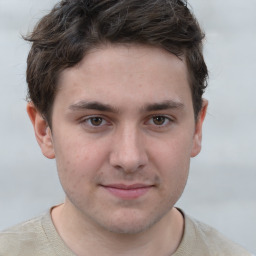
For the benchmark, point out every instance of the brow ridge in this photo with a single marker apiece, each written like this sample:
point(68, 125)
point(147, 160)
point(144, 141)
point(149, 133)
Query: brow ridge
point(95, 105)
point(166, 104)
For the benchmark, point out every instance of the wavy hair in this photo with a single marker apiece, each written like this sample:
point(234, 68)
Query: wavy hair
point(73, 27)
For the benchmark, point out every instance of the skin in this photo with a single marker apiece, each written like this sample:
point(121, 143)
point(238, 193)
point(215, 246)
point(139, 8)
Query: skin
point(122, 117)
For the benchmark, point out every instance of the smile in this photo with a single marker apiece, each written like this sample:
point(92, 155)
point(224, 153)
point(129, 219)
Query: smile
point(128, 191)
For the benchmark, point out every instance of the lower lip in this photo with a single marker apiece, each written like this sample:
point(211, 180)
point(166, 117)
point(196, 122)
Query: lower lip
point(128, 193)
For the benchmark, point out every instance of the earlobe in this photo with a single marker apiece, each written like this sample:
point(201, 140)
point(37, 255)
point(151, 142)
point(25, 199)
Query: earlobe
point(197, 140)
point(42, 131)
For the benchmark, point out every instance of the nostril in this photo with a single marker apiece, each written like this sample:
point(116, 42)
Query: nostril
point(119, 168)
point(128, 167)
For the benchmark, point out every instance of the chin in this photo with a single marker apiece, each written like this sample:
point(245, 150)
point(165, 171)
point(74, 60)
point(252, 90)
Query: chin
point(131, 223)
point(128, 228)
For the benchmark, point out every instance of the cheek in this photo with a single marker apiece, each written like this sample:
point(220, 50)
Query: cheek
point(172, 152)
point(78, 161)
point(172, 160)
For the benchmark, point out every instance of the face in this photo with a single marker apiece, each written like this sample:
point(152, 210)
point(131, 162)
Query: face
point(123, 133)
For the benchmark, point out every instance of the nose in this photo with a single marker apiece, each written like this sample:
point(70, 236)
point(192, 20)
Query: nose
point(128, 150)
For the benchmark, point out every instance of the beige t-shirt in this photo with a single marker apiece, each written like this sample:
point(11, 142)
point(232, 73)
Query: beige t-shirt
point(38, 237)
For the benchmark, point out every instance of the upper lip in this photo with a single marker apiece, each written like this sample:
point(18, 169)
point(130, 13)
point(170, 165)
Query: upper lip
point(123, 186)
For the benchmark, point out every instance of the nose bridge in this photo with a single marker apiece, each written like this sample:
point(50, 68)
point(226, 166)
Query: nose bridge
point(128, 153)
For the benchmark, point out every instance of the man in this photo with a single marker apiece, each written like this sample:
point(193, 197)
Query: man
point(115, 96)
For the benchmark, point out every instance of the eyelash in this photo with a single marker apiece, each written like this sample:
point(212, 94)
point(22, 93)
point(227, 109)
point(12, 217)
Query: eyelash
point(166, 121)
point(89, 120)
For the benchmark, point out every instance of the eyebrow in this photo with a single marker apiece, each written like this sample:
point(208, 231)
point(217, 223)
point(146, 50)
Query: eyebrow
point(95, 105)
point(167, 104)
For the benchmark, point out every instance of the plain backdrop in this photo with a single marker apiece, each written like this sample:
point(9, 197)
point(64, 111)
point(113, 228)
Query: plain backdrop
point(221, 190)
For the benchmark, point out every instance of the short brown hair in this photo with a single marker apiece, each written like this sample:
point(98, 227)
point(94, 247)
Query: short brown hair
point(73, 27)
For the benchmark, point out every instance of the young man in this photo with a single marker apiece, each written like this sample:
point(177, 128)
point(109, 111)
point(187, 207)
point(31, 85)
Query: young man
point(115, 96)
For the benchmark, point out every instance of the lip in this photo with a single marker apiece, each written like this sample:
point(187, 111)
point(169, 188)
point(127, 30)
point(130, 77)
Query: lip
point(127, 192)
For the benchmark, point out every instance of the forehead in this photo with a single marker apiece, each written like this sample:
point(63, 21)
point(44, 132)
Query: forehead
point(122, 73)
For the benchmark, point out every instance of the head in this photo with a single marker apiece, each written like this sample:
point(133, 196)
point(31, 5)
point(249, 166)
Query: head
point(74, 27)
point(116, 90)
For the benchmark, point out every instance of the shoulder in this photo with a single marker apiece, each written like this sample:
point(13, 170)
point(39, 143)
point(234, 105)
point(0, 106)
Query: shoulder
point(24, 239)
point(213, 241)
point(202, 240)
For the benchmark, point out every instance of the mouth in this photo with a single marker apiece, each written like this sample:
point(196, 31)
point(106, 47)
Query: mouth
point(127, 192)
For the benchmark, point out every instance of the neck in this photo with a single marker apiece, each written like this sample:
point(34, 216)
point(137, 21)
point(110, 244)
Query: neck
point(163, 238)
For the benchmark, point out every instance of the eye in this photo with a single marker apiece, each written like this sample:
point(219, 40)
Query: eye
point(95, 121)
point(160, 121)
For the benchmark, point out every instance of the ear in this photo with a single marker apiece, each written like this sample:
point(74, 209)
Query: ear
point(42, 131)
point(197, 140)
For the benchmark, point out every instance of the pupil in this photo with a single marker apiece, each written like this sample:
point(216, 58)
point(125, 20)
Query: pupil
point(96, 121)
point(159, 120)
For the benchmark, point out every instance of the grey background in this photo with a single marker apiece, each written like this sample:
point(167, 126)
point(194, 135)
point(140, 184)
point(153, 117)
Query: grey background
point(221, 190)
